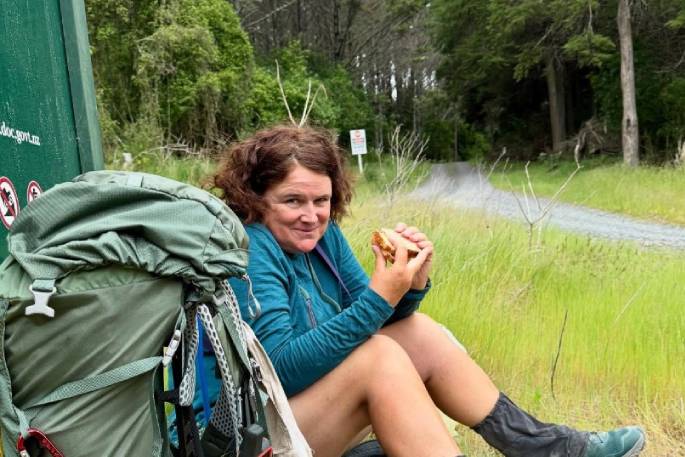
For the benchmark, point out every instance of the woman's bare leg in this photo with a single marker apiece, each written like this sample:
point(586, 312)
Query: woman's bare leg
point(377, 384)
point(457, 385)
point(464, 392)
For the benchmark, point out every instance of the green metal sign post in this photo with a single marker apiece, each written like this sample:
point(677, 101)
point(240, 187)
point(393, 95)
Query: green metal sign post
point(49, 129)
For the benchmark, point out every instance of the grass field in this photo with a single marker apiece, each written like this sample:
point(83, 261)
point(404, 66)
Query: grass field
point(623, 345)
point(654, 193)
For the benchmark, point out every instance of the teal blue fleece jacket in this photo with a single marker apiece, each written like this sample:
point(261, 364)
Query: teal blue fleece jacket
point(307, 323)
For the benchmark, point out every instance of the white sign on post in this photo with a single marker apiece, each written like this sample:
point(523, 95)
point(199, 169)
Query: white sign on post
point(358, 143)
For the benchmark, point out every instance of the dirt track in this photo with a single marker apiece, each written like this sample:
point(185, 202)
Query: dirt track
point(462, 185)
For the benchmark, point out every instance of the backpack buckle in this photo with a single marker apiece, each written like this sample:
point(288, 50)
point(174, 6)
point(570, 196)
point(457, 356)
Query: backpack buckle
point(40, 305)
point(171, 348)
point(43, 441)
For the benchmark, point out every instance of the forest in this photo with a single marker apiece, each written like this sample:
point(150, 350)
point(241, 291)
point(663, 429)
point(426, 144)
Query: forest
point(541, 78)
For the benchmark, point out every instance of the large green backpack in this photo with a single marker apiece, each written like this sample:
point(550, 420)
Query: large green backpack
point(101, 290)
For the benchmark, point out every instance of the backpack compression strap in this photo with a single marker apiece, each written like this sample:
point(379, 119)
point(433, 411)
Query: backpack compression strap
point(86, 385)
point(97, 382)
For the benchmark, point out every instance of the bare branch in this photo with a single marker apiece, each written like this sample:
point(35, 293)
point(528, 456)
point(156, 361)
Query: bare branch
point(407, 153)
point(530, 186)
point(306, 103)
point(268, 15)
point(305, 115)
point(285, 100)
point(534, 221)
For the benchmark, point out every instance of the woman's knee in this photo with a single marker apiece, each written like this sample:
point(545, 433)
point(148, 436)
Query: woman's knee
point(385, 357)
point(421, 322)
point(417, 322)
point(415, 331)
point(421, 332)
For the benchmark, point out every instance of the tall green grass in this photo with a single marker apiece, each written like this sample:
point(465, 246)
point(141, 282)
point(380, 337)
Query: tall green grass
point(622, 357)
point(647, 192)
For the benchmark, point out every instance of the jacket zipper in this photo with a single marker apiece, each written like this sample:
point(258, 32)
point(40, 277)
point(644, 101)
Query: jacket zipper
point(310, 309)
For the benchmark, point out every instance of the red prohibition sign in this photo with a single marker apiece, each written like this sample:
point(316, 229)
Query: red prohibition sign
point(33, 191)
point(9, 203)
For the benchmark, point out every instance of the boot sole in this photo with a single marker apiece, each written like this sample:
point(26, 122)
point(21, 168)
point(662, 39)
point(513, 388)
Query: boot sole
point(637, 448)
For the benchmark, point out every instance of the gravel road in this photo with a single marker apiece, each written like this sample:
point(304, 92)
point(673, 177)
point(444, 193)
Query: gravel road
point(462, 185)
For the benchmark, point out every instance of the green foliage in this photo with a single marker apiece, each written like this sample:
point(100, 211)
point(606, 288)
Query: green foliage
point(108, 127)
point(353, 108)
point(265, 103)
point(187, 73)
point(532, 30)
point(678, 22)
point(141, 136)
point(496, 64)
point(195, 69)
point(184, 71)
point(115, 27)
point(439, 118)
point(440, 134)
point(606, 85)
point(473, 143)
point(590, 49)
point(660, 95)
point(673, 96)
point(339, 104)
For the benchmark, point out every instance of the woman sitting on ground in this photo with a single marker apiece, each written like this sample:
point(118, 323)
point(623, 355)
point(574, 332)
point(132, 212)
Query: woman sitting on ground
point(350, 350)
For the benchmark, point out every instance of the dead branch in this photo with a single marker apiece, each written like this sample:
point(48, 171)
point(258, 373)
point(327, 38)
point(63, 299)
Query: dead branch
point(308, 103)
point(407, 152)
point(285, 100)
point(531, 219)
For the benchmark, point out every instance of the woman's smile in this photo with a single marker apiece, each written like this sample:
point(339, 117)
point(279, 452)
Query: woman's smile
point(299, 209)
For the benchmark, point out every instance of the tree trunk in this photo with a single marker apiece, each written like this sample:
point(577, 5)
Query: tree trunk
point(273, 39)
point(629, 127)
point(456, 138)
point(571, 83)
point(299, 20)
point(336, 30)
point(557, 103)
point(414, 98)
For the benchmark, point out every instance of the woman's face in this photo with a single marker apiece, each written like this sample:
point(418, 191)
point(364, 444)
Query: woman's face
point(299, 209)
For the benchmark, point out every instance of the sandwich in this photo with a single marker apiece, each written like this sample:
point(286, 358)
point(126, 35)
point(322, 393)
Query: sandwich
point(387, 239)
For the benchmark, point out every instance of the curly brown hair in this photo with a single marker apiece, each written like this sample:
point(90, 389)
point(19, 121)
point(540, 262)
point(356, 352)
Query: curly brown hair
point(250, 167)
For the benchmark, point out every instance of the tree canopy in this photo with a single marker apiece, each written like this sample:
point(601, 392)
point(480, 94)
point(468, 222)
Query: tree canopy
point(470, 75)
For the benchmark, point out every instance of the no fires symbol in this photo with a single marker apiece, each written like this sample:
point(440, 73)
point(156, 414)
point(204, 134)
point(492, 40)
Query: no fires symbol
point(9, 203)
point(33, 191)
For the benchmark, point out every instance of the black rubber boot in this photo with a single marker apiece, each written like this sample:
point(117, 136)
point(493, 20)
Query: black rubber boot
point(515, 433)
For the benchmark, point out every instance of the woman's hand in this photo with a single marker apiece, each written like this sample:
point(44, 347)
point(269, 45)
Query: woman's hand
point(393, 281)
point(414, 234)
